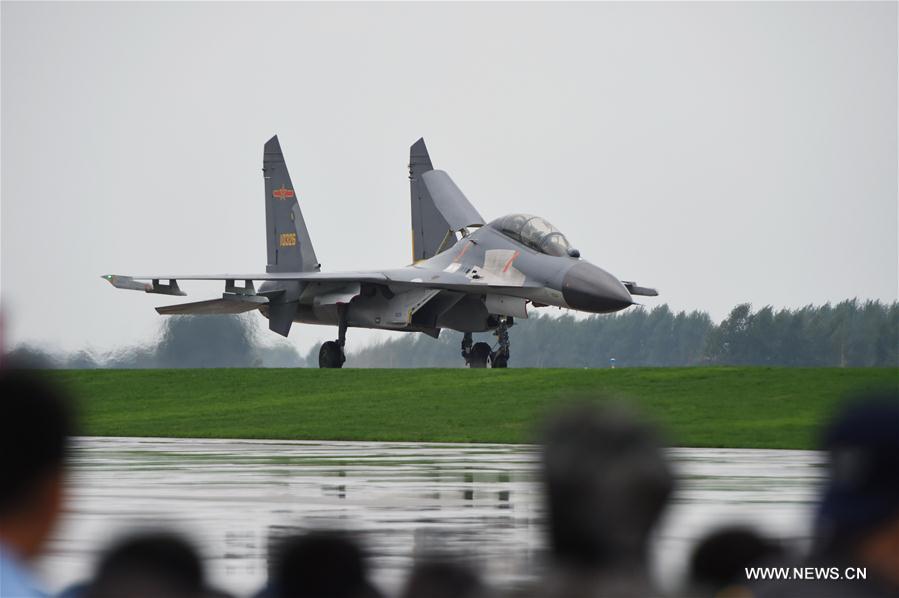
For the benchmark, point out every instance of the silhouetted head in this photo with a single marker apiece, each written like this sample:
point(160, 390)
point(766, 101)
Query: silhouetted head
point(148, 566)
point(719, 559)
point(443, 579)
point(35, 427)
point(319, 564)
point(607, 481)
point(858, 518)
point(862, 492)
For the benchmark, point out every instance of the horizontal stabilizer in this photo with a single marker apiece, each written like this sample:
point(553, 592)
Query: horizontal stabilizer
point(633, 289)
point(212, 307)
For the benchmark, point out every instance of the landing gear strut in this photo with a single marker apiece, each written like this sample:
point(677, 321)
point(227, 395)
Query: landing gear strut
point(477, 355)
point(500, 357)
point(331, 354)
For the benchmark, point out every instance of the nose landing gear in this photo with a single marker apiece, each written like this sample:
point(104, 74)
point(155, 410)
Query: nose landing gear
point(500, 357)
point(477, 355)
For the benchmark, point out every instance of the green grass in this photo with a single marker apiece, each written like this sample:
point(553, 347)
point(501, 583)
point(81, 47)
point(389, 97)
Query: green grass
point(711, 407)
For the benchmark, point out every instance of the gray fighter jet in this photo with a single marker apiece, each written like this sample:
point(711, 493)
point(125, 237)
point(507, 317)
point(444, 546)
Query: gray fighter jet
point(466, 275)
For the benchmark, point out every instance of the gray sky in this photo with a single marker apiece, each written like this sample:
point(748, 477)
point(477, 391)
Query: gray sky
point(720, 152)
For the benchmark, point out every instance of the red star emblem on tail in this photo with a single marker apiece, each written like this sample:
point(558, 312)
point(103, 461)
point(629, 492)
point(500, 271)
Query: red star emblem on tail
point(282, 193)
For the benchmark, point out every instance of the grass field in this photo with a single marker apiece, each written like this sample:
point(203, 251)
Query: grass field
point(711, 407)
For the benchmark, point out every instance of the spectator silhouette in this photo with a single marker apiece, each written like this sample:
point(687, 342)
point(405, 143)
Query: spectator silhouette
point(607, 482)
point(149, 565)
point(857, 523)
point(858, 517)
point(718, 562)
point(318, 564)
point(34, 440)
point(443, 579)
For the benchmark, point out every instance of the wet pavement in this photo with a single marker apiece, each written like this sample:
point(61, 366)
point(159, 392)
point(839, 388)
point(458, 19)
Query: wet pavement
point(404, 499)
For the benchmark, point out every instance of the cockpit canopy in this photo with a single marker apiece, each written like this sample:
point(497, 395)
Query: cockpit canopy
point(533, 232)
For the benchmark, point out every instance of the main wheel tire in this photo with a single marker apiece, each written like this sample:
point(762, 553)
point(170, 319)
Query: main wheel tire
point(479, 355)
point(330, 355)
point(499, 360)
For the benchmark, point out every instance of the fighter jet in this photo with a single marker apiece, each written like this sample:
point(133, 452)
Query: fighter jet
point(466, 274)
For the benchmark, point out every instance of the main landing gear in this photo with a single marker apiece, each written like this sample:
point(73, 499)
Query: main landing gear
point(478, 354)
point(331, 354)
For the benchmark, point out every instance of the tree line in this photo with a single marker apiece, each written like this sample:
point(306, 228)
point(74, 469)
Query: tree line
point(182, 342)
point(851, 333)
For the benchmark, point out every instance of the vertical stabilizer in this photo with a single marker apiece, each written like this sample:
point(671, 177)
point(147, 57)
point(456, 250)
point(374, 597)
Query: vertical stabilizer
point(287, 239)
point(439, 208)
point(430, 230)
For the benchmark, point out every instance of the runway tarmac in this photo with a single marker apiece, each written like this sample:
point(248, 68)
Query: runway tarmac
point(480, 501)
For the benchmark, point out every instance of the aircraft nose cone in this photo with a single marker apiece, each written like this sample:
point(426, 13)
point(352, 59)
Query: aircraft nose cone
point(588, 288)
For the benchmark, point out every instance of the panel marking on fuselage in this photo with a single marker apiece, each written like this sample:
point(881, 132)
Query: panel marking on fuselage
point(498, 269)
point(511, 259)
point(461, 253)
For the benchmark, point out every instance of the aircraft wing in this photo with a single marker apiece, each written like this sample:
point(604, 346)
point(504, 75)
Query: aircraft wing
point(404, 277)
point(341, 287)
point(124, 282)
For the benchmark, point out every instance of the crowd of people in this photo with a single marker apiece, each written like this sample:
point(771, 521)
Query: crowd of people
point(606, 481)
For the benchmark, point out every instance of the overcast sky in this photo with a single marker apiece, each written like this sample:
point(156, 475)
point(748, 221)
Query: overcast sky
point(722, 153)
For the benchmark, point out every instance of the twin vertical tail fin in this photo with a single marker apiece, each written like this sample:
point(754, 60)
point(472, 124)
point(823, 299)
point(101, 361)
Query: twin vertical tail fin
point(429, 229)
point(287, 239)
point(439, 208)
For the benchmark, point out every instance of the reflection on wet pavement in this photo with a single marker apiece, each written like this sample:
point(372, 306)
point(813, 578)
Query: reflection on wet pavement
point(477, 501)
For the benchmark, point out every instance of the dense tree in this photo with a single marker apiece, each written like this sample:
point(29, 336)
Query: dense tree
point(184, 342)
point(850, 334)
point(656, 337)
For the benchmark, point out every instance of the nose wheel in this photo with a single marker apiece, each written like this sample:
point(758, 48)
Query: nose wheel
point(479, 355)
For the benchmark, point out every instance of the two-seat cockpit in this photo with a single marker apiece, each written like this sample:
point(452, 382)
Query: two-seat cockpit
point(536, 233)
